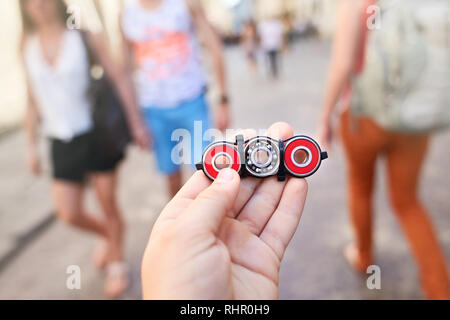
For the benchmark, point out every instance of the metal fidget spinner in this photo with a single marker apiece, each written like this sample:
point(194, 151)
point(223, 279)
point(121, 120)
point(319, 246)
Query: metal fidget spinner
point(263, 157)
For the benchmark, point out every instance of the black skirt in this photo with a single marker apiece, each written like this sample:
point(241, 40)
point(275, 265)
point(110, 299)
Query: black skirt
point(73, 160)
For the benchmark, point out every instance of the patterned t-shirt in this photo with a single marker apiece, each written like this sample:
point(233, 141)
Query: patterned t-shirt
point(166, 52)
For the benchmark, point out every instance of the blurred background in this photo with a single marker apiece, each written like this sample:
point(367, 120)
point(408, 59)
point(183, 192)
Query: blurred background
point(35, 249)
point(228, 16)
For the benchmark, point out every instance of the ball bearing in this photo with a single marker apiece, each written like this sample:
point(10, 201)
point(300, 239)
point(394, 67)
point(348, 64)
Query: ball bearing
point(262, 157)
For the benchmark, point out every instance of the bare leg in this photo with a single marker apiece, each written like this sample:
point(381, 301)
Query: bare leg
point(252, 63)
point(68, 198)
point(175, 182)
point(117, 281)
point(105, 185)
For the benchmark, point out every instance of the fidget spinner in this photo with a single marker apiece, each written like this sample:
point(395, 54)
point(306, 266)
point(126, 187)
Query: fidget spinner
point(263, 157)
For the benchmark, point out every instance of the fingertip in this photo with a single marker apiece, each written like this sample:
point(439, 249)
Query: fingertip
point(280, 130)
point(297, 187)
point(302, 186)
point(196, 184)
point(227, 175)
point(227, 184)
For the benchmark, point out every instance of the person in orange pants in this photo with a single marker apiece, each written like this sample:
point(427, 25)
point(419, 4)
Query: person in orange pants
point(405, 155)
point(364, 141)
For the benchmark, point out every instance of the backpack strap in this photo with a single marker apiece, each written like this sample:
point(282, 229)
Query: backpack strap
point(358, 67)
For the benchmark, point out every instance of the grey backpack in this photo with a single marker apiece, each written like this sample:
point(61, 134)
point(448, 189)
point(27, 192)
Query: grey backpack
point(405, 85)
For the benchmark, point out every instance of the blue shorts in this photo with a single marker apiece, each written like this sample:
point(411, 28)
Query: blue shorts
point(178, 133)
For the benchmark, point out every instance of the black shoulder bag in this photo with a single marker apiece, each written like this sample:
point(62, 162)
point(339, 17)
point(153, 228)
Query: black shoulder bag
point(111, 129)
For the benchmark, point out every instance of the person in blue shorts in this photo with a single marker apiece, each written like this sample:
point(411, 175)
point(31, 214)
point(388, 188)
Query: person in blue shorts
point(160, 41)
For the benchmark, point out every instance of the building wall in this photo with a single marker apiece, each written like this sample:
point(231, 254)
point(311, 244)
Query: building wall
point(12, 99)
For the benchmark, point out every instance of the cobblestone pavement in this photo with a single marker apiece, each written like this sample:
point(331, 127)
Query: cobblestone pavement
point(35, 250)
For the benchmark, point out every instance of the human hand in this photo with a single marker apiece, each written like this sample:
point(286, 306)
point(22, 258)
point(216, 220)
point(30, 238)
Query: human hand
point(226, 239)
point(34, 163)
point(325, 134)
point(141, 135)
point(223, 117)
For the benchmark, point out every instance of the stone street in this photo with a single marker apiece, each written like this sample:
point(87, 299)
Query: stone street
point(35, 249)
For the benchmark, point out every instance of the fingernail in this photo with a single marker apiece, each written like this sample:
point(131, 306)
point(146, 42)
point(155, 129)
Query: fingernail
point(225, 175)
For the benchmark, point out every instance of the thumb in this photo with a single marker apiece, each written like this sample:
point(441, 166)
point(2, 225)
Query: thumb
point(211, 205)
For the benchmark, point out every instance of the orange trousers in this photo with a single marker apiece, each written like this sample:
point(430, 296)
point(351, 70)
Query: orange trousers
point(363, 142)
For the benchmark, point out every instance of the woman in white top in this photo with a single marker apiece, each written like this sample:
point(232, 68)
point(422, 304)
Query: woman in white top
point(57, 68)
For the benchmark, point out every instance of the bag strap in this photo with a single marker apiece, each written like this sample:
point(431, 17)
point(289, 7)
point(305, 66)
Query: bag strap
point(91, 56)
point(362, 56)
point(362, 50)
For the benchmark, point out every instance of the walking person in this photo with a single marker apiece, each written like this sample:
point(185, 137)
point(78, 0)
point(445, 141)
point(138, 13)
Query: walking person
point(271, 33)
point(57, 66)
point(160, 39)
point(249, 43)
point(365, 138)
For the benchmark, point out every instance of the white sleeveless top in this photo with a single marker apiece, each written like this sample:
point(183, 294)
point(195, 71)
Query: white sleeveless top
point(166, 52)
point(60, 91)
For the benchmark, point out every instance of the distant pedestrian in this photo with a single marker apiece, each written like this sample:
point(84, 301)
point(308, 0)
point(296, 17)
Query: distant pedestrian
point(57, 65)
point(272, 34)
point(249, 43)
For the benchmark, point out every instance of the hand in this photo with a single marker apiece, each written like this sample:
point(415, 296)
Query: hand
point(34, 163)
point(223, 117)
point(141, 135)
point(224, 240)
point(325, 134)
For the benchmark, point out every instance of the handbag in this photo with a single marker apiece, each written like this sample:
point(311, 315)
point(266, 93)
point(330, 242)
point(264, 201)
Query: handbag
point(111, 131)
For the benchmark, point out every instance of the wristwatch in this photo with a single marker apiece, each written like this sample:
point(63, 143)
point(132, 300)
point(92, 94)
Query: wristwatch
point(224, 99)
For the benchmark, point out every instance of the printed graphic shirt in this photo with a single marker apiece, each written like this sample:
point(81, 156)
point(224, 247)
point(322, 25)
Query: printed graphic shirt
point(166, 52)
